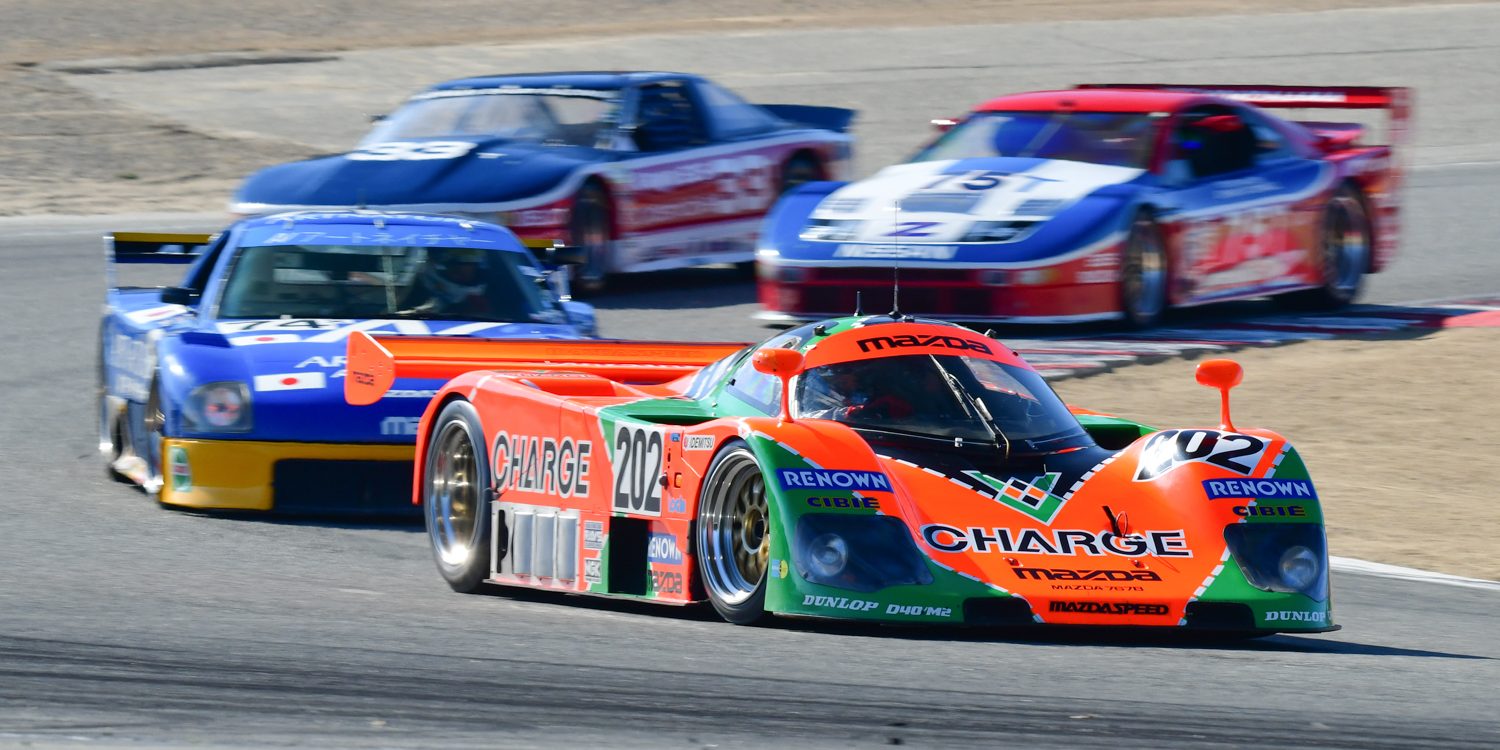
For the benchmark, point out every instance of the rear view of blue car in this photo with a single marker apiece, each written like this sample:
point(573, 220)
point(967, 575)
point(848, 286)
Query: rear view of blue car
point(225, 392)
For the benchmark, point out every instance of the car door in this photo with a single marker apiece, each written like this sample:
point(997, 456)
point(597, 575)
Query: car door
point(1243, 199)
point(692, 197)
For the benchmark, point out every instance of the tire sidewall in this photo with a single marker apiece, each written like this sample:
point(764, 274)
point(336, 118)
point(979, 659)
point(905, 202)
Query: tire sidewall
point(1333, 295)
point(475, 570)
point(753, 608)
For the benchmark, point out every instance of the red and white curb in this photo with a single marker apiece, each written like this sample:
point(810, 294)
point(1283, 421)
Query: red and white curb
point(1066, 357)
point(1382, 570)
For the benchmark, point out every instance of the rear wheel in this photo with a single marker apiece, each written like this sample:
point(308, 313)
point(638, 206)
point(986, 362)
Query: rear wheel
point(455, 501)
point(734, 536)
point(592, 229)
point(1143, 279)
point(1344, 253)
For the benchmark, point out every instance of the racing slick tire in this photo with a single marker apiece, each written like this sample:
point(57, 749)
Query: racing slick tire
point(1343, 253)
point(591, 228)
point(734, 535)
point(455, 497)
point(1143, 273)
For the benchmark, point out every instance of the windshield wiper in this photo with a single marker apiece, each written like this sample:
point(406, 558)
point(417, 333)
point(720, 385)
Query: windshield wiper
point(975, 407)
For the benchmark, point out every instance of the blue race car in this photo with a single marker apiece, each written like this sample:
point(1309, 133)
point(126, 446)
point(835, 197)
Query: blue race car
point(226, 392)
point(643, 170)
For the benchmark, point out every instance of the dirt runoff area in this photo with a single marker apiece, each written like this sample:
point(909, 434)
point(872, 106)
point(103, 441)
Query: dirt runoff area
point(1399, 434)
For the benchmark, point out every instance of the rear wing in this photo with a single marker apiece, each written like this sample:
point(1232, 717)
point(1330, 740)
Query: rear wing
point(153, 248)
point(1396, 99)
point(375, 362)
point(836, 119)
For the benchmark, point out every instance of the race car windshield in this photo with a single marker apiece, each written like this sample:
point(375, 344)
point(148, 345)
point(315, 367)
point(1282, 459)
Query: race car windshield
point(574, 117)
point(944, 397)
point(362, 281)
point(1116, 139)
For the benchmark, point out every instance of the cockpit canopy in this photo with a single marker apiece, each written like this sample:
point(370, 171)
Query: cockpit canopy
point(940, 396)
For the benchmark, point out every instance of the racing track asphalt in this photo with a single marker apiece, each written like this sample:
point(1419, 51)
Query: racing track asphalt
point(123, 625)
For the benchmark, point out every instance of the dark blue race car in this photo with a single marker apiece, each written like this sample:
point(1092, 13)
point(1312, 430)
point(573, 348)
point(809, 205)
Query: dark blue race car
point(226, 392)
point(643, 170)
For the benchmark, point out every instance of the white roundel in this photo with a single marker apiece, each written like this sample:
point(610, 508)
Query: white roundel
point(411, 151)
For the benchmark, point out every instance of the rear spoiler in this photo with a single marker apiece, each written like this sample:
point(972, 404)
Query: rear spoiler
point(151, 247)
point(375, 362)
point(836, 119)
point(155, 247)
point(1394, 98)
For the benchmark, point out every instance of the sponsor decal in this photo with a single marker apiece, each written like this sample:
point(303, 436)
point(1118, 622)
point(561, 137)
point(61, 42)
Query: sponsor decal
point(666, 582)
point(832, 479)
point(593, 535)
point(839, 602)
point(844, 502)
point(1264, 489)
point(637, 464)
point(411, 151)
point(399, 425)
point(944, 538)
point(541, 464)
point(1065, 574)
point(591, 570)
point(131, 363)
point(676, 505)
point(1287, 511)
point(1034, 498)
point(917, 610)
point(663, 549)
point(878, 343)
point(698, 443)
point(897, 252)
point(1283, 615)
point(1107, 608)
point(155, 314)
point(177, 467)
point(777, 569)
point(1169, 449)
point(1096, 587)
point(402, 392)
point(291, 381)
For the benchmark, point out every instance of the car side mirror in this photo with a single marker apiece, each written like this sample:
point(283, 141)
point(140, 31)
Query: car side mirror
point(565, 255)
point(179, 295)
point(1222, 374)
point(943, 124)
point(783, 364)
point(378, 117)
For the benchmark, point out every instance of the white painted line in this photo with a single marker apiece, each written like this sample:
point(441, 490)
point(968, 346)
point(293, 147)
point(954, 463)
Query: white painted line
point(1381, 570)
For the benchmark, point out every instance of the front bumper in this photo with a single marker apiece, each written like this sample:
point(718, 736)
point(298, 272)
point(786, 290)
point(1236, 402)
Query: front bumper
point(1034, 295)
point(357, 479)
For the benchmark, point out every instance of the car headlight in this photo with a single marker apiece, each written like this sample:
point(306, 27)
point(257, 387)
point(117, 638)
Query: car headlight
point(218, 407)
point(855, 552)
point(830, 230)
point(1284, 557)
point(1000, 231)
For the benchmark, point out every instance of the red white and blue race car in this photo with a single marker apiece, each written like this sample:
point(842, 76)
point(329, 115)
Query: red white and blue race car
point(642, 170)
point(1103, 202)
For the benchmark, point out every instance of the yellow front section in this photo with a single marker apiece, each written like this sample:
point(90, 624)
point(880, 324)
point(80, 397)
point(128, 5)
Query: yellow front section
point(236, 474)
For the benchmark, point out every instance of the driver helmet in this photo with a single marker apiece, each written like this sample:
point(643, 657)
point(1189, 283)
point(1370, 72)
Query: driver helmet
point(455, 274)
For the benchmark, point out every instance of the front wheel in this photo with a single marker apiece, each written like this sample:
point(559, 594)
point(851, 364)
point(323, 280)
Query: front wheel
point(734, 536)
point(591, 228)
point(1143, 279)
point(455, 504)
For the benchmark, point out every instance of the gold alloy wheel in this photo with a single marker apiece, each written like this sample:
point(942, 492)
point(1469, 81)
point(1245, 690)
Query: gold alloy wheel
point(734, 539)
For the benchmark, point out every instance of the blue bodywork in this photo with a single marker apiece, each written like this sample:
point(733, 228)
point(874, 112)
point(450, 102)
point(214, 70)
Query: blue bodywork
point(480, 175)
point(292, 368)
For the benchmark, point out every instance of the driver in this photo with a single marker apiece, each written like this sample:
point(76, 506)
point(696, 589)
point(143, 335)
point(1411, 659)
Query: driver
point(853, 391)
point(455, 279)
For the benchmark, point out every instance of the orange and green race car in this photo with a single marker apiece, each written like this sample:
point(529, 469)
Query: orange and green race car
point(876, 468)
